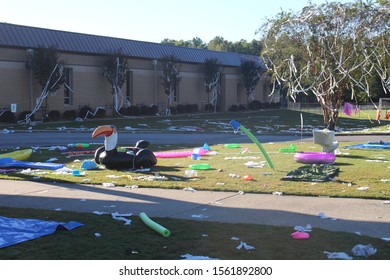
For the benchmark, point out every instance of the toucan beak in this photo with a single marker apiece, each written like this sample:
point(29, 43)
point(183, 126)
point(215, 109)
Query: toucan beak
point(105, 130)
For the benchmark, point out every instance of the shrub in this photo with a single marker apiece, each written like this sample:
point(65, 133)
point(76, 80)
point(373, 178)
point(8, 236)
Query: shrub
point(153, 110)
point(173, 110)
point(233, 108)
point(100, 112)
point(122, 111)
point(83, 112)
point(144, 110)
point(7, 117)
point(70, 115)
point(54, 115)
point(255, 105)
point(133, 111)
point(242, 107)
point(180, 109)
point(22, 116)
point(191, 108)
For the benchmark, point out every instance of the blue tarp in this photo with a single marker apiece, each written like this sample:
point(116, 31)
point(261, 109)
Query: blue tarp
point(15, 230)
point(370, 145)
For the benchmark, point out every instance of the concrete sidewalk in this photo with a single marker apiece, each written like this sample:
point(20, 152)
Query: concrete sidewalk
point(366, 216)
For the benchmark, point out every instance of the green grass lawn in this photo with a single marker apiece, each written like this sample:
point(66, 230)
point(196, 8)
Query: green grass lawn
point(358, 168)
point(198, 238)
point(267, 121)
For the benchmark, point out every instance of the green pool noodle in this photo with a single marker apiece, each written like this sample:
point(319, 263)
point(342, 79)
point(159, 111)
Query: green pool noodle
point(153, 225)
point(236, 126)
point(201, 166)
point(232, 146)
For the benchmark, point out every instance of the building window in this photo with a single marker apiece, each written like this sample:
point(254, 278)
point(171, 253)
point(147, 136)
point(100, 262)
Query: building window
point(129, 87)
point(68, 86)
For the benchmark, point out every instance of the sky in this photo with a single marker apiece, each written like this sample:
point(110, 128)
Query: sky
point(151, 20)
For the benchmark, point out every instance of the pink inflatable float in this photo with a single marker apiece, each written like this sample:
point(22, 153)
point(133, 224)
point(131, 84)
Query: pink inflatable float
point(180, 154)
point(315, 157)
point(300, 235)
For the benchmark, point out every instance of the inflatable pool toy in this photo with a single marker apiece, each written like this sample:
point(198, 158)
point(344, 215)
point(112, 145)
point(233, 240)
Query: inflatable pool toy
point(180, 154)
point(300, 235)
point(201, 166)
point(153, 225)
point(109, 156)
point(89, 165)
point(232, 146)
point(236, 126)
point(9, 162)
point(291, 149)
point(18, 155)
point(247, 178)
point(315, 157)
point(7, 170)
point(78, 145)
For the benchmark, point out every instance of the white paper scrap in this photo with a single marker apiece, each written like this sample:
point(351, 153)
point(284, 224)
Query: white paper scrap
point(245, 246)
point(338, 255)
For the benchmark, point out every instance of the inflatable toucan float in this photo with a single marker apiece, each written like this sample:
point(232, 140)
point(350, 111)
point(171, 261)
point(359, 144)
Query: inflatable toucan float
point(109, 156)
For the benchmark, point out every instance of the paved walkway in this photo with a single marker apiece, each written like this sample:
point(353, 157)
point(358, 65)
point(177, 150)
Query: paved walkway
point(365, 216)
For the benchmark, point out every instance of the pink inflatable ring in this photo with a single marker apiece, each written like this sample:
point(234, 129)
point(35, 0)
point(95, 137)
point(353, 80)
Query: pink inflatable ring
point(315, 157)
point(180, 154)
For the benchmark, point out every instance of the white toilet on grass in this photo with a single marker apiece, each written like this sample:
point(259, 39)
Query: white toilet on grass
point(325, 138)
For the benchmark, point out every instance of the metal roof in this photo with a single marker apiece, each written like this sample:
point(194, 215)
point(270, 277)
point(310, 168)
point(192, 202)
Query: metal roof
point(19, 36)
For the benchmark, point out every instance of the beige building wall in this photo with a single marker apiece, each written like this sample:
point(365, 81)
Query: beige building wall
point(91, 88)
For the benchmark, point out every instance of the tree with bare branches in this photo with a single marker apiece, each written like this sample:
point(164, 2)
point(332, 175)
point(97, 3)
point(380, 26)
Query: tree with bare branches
point(170, 78)
point(212, 72)
point(46, 66)
point(114, 69)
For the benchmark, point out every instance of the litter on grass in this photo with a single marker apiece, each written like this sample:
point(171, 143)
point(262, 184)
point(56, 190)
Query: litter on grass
point(253, 164)
point(306, 228)
point(245, 246)
point(199, 216)
point(322, 215)
point(191, 257)
point(121, 217)
point(277, 193)
point(338, 255)
point(234, 158)
point(361, 250)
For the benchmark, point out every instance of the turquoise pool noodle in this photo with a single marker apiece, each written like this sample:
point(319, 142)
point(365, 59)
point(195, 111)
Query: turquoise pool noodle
point(153, 225)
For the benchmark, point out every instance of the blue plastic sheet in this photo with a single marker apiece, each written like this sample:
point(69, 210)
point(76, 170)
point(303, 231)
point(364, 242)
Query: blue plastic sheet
point(15, 230)
point(370, 145)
